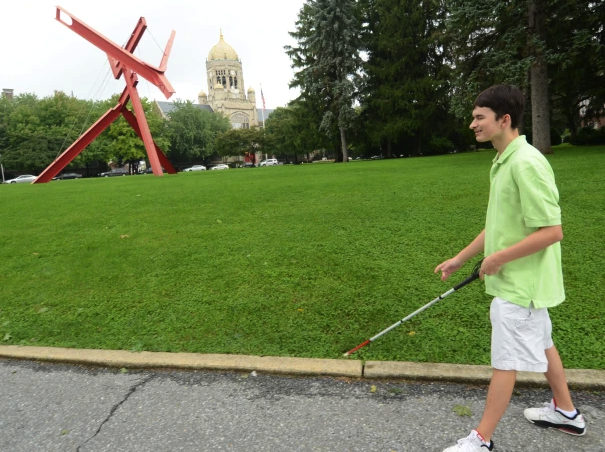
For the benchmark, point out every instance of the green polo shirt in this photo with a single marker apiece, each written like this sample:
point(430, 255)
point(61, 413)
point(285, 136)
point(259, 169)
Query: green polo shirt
point(523, 197)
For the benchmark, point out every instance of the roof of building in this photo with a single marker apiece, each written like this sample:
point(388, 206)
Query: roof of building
point(268, 112)
point(167, 107)
point(222, 51)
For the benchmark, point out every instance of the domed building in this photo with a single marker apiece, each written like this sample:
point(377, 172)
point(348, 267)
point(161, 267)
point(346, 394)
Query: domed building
point(226, 93)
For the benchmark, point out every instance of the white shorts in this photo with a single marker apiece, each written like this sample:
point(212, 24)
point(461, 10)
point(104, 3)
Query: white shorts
point(519, 336)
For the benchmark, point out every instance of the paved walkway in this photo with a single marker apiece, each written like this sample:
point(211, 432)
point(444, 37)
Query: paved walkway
point(53, 407)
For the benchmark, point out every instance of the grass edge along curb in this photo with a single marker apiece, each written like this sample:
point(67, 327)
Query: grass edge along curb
point(587, 379)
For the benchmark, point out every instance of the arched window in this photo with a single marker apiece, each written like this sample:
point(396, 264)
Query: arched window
point(224, 81)
point(235, 82)
point(231, 82)
point(240, 120)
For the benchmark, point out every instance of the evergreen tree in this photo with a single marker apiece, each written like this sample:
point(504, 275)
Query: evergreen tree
point(327, 56)
point(405, 95)
point(534, 44)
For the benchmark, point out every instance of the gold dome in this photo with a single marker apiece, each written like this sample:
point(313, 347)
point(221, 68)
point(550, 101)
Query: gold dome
point(202, 94)
point(222, 51)
point(251, 90)
point(218, 86)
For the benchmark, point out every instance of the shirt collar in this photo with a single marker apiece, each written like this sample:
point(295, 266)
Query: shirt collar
point(510, 149)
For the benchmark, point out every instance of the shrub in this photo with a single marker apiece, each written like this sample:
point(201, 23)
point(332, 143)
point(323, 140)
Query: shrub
point(588, 136)
point(439, 145)
point(555, 137)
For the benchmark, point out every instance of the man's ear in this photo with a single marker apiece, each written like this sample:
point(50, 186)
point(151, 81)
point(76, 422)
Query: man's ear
point(506, 121)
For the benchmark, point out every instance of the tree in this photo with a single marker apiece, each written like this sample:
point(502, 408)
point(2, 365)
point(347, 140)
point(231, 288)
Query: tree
point(6, 109)
point(291, 131)
point(518, 42)
point(192, 132)
point(405, 94)
point(37, 131)
point(582, 50)
point(126, 146)
point(241, 142)
point(328, 35)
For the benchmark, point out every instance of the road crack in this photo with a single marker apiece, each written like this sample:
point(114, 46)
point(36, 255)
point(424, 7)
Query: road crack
point(131, 391)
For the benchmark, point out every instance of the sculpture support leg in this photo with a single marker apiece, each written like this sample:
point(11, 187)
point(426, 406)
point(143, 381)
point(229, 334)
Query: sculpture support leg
point(79, 145)
point(132, 120)
point(131, 78)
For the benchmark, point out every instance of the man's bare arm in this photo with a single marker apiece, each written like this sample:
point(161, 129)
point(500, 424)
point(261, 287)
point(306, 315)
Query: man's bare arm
point(536, 241)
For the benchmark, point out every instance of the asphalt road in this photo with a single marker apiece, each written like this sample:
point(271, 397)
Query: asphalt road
point(47, 407)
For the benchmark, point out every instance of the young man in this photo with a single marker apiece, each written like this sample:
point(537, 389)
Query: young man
point(521, 269)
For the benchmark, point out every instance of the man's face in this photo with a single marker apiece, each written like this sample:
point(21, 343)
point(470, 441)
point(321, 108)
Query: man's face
point(485, 125)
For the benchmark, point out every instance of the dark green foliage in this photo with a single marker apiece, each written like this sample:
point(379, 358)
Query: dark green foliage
point(290, 131)
point(555, 137)
point(34, 132)
point(327, 56)
point(324, 258)
point(192, 132)
point(589, 136)
point(124, 145)
point(491, 42)
point(239, 142)
point(577, 62)
point(406, 92)
point(487, 43)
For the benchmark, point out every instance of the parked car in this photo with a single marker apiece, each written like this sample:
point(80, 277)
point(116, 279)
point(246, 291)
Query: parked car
point(150, 171)
point(67, 176)
point(248, 165)
point(196, 168)
point(269, 162)
point(115, 172)
point(25, 178)
point(220, 166)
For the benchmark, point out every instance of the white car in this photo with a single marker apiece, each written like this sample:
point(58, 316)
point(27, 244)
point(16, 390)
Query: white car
point(220, 166)
point(269, 162)
point(22, 179)
point(196, 168)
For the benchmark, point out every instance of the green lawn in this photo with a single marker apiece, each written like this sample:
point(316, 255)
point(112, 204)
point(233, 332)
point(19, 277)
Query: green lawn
point(306, 260)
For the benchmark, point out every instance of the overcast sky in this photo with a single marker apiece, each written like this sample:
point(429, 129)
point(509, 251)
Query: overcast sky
point(40, 55)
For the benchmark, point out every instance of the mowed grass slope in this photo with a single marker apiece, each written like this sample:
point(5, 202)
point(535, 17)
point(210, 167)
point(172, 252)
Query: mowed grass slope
point(306, 260)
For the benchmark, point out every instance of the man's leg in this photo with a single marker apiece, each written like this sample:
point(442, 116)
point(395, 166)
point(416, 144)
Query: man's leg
point(557, 381)
point(498, 396)
point(552, 414)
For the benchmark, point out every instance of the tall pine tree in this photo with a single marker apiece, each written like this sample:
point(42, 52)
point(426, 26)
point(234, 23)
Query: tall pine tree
point(327, 56)
point(405, 94)
point(535, 44)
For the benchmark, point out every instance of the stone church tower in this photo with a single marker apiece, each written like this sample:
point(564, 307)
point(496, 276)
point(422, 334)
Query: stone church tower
point(226, 87)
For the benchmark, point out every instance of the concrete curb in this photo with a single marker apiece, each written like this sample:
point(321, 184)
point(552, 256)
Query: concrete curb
point(191, 361)
point(457, 373)
point(462, 373)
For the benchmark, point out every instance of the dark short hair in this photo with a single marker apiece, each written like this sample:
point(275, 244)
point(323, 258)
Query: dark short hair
point(503, 99)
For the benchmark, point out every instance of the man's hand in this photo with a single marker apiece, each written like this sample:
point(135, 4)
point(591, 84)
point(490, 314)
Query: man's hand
point(448, 267)
point(490, 266)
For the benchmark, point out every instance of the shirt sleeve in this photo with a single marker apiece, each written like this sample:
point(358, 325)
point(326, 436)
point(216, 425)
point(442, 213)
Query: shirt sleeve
point(539, 197)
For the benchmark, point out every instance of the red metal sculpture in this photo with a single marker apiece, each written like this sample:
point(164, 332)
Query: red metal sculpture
point(122, 61)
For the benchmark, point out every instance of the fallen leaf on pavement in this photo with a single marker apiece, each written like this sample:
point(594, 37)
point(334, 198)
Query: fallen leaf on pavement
point(462, 410)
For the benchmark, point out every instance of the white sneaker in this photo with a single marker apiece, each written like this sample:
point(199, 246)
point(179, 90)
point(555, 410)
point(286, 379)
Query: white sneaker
point(472, 443)
point(549, 416)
